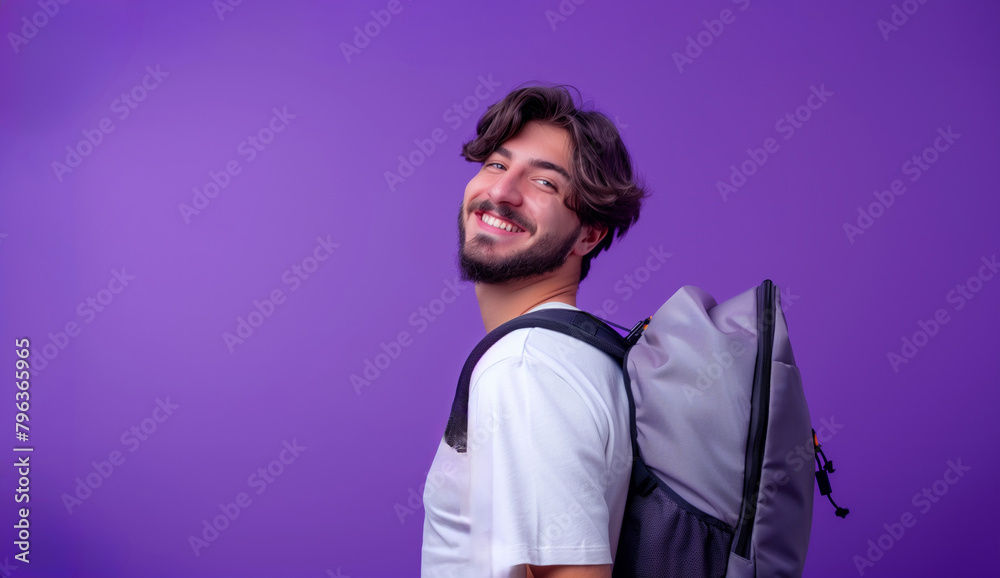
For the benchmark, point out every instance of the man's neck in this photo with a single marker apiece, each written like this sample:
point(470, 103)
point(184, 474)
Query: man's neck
point(501, 303)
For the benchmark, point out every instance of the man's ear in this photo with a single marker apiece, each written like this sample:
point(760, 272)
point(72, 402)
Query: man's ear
point(592, 236)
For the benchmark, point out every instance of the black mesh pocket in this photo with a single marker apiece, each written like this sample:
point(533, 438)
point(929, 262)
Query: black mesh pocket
point(665, 536)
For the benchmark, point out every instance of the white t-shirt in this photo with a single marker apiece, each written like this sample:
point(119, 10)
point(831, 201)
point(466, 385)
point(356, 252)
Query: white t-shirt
point(546, 473)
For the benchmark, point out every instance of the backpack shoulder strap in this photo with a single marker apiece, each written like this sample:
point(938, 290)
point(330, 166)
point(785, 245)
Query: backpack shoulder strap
point(579, 324)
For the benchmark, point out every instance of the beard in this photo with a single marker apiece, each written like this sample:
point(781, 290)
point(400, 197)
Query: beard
point(548, 253)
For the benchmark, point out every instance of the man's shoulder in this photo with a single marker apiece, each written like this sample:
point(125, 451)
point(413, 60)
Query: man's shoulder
point(552, 372)
point(564, 354)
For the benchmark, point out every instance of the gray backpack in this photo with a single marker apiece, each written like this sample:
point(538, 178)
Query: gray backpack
point(720, 482)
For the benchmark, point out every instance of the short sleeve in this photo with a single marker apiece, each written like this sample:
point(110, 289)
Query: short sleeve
point(538, 469)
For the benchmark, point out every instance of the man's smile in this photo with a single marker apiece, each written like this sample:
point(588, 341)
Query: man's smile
point(494, 224)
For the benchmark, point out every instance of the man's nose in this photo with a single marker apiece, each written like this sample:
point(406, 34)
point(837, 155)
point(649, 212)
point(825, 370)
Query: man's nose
point(506, 189)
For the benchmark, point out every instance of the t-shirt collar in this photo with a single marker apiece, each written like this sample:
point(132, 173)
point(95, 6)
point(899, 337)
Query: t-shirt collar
point(553, 305)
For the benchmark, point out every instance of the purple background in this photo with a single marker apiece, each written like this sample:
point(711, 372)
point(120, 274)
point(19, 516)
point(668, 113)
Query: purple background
point(341, 505)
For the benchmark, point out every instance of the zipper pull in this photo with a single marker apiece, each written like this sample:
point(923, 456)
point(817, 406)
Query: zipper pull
point(823, 476)
point(637, 330)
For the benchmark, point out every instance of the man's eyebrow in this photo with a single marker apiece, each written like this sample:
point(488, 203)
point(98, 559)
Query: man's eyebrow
point(505, 153)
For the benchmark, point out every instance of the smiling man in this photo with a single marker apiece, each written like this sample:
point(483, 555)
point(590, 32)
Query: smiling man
point(539, 491)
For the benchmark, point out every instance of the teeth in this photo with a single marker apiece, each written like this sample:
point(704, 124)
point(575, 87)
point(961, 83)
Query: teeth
point(499, 224)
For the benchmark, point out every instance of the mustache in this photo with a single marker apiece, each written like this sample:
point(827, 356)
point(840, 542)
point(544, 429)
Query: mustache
point(504, 212)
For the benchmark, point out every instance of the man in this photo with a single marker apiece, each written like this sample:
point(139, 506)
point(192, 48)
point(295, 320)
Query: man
point(540, 490)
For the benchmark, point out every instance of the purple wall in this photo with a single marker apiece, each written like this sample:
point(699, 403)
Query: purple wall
point(116, 115)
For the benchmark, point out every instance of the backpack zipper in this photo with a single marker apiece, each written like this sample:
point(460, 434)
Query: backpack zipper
point(760, 402)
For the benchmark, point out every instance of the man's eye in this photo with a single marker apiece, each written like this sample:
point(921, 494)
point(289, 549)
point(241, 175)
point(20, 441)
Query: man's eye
point(548, 183)
point(494, 165)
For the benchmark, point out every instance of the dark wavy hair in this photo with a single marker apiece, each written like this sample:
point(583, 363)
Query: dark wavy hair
point(604, 189)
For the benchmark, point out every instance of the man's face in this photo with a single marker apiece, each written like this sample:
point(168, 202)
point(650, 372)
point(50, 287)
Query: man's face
point(522, 184)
